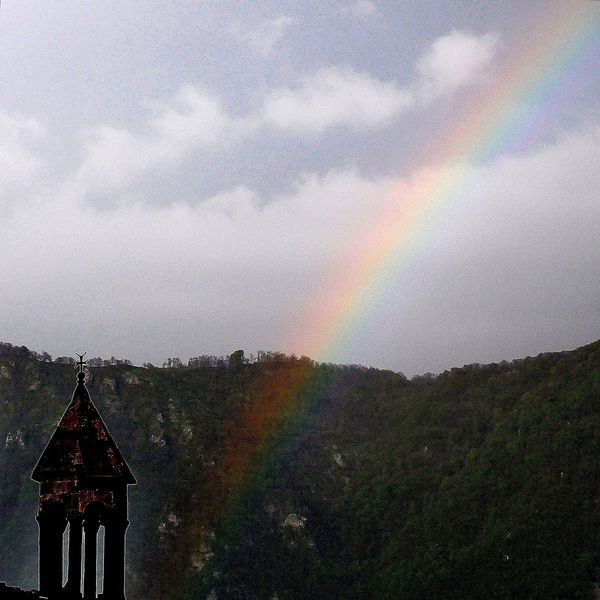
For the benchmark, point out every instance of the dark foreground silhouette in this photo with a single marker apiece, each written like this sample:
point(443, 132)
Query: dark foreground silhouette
point(83, 484)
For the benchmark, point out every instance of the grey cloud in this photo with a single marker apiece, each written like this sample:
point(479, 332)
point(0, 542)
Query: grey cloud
point(196, 121)
point(19, 159)
point(243, 182)
point(192, 120)
point(265, 36)
point(500, 267)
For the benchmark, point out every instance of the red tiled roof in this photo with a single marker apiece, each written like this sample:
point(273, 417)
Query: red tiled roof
point(81, 447)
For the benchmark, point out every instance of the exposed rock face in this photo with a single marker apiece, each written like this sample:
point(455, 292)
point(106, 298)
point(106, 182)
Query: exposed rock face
point(339, 461)
point(203, 552)
point(131, 379)
point(14, 439)
point(5, 371)
point(157, 433)
point(294, 521)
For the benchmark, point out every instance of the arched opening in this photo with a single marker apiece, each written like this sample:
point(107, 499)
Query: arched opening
point(72, 555)
point(92, 554)
point(100, 545)
point(65, 554)
point(93, 550)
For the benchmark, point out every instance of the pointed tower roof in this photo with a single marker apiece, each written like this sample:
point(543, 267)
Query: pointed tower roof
point(81, 447)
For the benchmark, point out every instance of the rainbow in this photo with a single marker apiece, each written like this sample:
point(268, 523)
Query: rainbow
point(537, 80)
point(542, 75)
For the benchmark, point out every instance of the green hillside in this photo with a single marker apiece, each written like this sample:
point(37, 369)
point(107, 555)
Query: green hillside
point(482, 482)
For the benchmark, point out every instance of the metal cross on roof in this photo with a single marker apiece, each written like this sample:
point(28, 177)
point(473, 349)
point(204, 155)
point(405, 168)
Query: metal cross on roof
point(81, 361)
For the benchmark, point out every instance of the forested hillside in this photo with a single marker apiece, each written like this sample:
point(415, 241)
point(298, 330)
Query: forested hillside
point(286, 479)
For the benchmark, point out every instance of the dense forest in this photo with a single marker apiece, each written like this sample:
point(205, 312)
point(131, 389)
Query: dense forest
point(282, 478)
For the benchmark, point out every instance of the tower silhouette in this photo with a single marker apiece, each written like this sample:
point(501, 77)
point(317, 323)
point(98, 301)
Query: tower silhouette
point(83, 483)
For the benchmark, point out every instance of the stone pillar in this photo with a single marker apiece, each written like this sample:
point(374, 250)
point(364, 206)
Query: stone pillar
point(73, 587)
point(114, 557)
point(52, 525)
point(90, 525)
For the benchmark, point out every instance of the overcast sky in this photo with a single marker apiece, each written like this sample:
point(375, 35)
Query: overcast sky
point(181, 178)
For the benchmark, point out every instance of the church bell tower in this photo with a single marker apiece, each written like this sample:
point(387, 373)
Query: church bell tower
point(83, 484)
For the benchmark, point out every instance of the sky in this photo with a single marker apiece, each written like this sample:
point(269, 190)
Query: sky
point(184, 178)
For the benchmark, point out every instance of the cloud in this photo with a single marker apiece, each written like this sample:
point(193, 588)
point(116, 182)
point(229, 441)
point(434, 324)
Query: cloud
point(453, 61)
point(342, 96)
point(508, 266)
point(361, 9)
point(265, 36)
point(133, 265)
point(333, 97)
point(18, 159)
point(195, 121)
point(192, 120)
